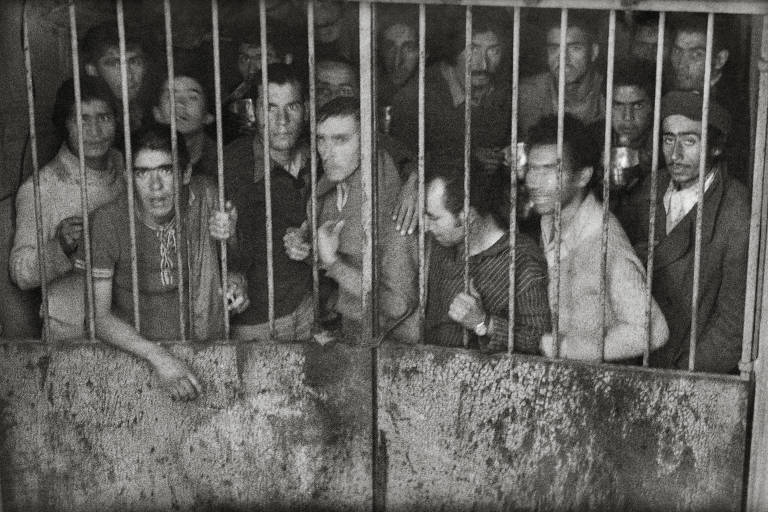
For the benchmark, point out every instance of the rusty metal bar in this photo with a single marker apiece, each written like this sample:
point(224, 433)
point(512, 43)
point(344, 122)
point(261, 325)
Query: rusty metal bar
point(83, 175)
point(700, 203)
point(219, 149)
point(605, 306)
point(267, 169)
point(730, 6)
point(128, 164)
point(557, 224)
point(654, 183)
point(755, 216)
point(35, 175)
point(367, 156)
point(313, 157)
point(513, 180)
point(422, 231)
point(467, 145)
point(175, 157)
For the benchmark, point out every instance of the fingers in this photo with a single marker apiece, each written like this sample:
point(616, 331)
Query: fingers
point(472, 290)
point(194, 382)
point(337, 228)
point(411, 221)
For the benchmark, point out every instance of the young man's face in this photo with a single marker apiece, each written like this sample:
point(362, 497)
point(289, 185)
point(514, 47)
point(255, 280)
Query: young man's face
point(445, 227)
point(645, 42)
point(191, 109)
point(681, 143)
point(338, 143)
point(401, 52)
point(334, 79)
point(580, 53)
point(541, 179)
point(486, 58)
point(249, 59)
point(108, 68)
point(153, 179)
point(632, 113)
point(688, 56)
point(99, 125)
point(328, 21)
point(286, 115)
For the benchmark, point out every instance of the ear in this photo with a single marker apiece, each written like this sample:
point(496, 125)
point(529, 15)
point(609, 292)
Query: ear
point(720, 59)
point(186, 176)
point(585, 174)
point(595, 51)
point(91, 70)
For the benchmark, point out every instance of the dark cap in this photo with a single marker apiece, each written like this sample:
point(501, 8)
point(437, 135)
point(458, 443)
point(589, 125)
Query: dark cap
point(689, 104)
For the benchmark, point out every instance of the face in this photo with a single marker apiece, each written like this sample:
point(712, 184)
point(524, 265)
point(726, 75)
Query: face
point(99, 126)
point(334, 79)
point(338, 143)
point(579, 56)
point(400, 53)
point(153, 181)
point(286, 115)
point(541, 179)
point(645, 43)
point(445, 227)
point(328, 21)
point(632, 113)
point(108, 68)
point(486, 58)
point(688, 56)
point(249, 59)
point(191, 110)
point(681, 143)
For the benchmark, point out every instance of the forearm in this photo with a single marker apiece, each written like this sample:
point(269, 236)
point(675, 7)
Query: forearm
point(116, 332)
point(621, 342)
point(25, 264)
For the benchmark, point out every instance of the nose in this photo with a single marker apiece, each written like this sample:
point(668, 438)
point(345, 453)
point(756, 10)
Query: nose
point(281, 118)
point(627, 114)
point(677, 151)
point(155, 183)
point(253, 66)
point(399, 58)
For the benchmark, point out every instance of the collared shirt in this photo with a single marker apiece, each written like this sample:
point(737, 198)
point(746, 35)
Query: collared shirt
point(342, 194)
point(677, 203)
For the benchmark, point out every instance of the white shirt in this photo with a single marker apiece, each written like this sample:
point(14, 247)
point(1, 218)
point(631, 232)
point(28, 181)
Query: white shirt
point(677, 203)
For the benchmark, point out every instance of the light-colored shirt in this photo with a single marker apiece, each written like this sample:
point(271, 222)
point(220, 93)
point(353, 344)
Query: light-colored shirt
point(580, 304)
point(677, 203)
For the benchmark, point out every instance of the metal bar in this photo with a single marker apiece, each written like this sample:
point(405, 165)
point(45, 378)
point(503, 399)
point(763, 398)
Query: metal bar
point(128, 164)
point(654, 182)
point(513, 180)
point(313, 157)
point(607, 178)
point(467, 145)
point(557, 225)
point(422, 231)
point(83, 175)
point(730, 6)
point(366, 169)
point(175, 157)
point(267, 170)
point(35, 175)
point(700, 202)
point(219, 149)
point(755, 217)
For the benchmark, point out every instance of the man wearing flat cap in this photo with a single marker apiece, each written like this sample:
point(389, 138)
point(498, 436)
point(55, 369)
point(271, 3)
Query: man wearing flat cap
point(724, 238)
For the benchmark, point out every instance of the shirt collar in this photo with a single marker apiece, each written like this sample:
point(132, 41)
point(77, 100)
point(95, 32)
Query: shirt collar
point(71, 164)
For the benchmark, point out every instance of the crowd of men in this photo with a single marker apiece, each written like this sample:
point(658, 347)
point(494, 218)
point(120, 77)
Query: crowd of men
point(594, 322)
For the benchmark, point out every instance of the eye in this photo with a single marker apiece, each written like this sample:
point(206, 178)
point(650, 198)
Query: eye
point(690, 141)
point(668, 139)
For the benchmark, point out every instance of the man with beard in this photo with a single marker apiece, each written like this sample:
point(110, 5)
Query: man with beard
point(398, 50)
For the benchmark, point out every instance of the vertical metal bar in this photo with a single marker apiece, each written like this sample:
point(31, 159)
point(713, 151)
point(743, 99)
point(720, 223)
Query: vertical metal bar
point(366, 169)
point(36, 175)
point(267, 169)
point(83, 175)
point(700, 202)
point(557, 224)
point(175, 156)
point(607, 178)
point(467, 145)
point(422, 230)
point(219, 148)
point(654, 183)
point(513, 180)
point(757, 195)
point(313, 157)
point(128, 163)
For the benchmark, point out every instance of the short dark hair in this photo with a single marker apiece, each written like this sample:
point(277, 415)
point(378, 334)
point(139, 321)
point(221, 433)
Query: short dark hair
point(636, 72)
point(103, 36)
point(281, 74)
point(90, 89)
point(697, 23)
point(339, 59)
point(486, 192)
point(583, 20)
point(157, 137)
point(577, 140)
point(483, 20)
point(343, 106)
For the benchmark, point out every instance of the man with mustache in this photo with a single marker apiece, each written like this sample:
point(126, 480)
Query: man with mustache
point(725, 238)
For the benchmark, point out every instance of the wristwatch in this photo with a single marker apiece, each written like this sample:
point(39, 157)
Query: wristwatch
point(481, 329)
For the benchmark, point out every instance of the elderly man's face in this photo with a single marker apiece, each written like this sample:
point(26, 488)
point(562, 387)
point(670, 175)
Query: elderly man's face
point(632, 113)
point(286, 115)
point(580, 53)
point(445, 227)
point(681, 143)
point(401, 52)
point(486, 58)
point(108, 68)
point(338, 143)
point(334, 79)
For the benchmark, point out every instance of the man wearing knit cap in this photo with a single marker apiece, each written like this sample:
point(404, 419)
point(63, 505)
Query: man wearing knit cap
point(725, 236)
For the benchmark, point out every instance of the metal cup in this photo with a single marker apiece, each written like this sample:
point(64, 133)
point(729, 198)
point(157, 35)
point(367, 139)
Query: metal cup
point(244, 111)
point(521, 164)
point(624, 166)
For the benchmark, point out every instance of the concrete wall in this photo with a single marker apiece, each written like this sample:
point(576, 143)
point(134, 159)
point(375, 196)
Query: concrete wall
point(289, 426)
